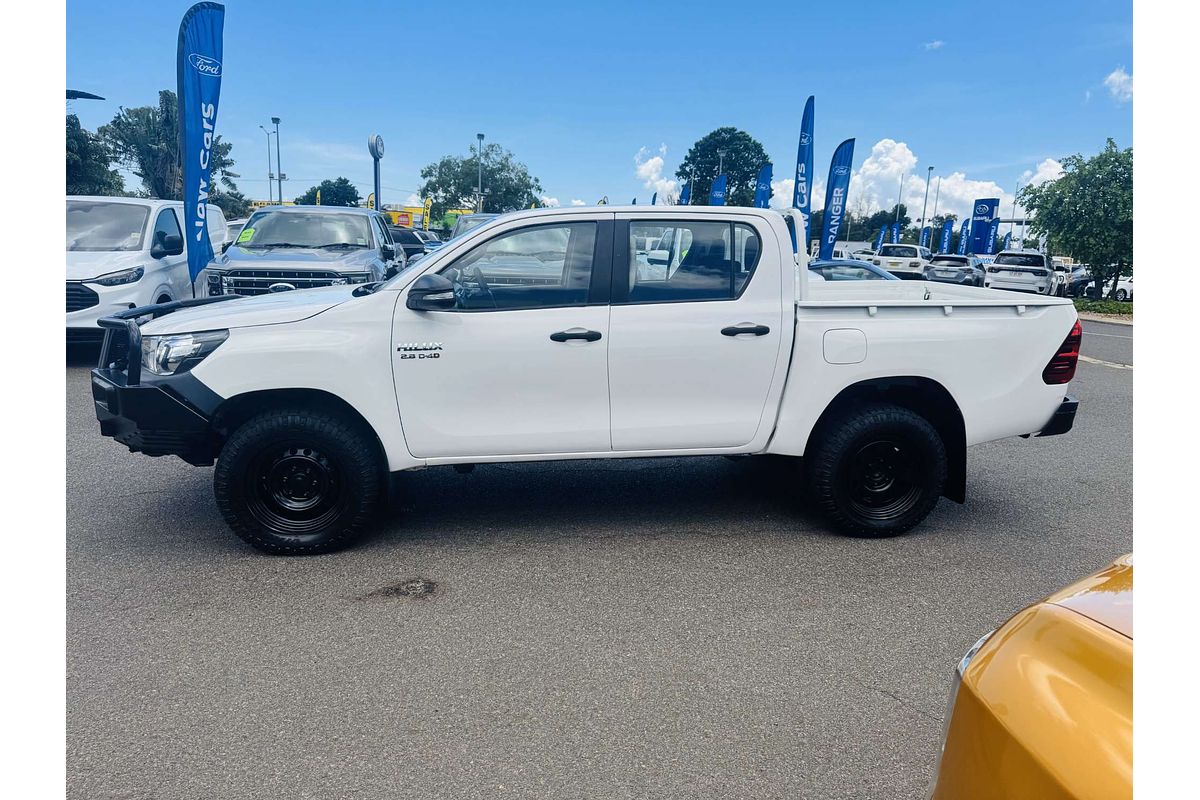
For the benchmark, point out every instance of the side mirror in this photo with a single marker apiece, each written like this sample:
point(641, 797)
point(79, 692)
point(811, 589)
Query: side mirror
point(165, 245)
point(388, 252)
point(431, 293)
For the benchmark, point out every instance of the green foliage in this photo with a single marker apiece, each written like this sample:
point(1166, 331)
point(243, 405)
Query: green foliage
point(452, 182)
point(337, 192)
point(744, 157)
point(231, 201)
point(145, 140)
point(1103, 307)
point(89, 164)
point(1088, 212)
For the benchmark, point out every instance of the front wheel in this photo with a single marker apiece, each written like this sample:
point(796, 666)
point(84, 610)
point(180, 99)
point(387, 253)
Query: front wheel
point(298, 482)
point(877, 470)
point(1122, 295)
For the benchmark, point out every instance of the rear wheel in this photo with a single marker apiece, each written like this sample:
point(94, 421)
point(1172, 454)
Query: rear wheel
point(298, 481)
point(877, 470)
point(1122, 295)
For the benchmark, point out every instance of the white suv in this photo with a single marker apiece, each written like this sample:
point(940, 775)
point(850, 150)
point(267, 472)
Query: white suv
point(905, 261)
point(1021, 271)
point(124, 252)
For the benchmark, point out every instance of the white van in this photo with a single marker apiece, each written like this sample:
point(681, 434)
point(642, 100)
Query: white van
point(124, 252)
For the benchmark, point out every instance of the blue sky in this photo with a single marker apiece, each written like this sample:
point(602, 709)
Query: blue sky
point(589, 95)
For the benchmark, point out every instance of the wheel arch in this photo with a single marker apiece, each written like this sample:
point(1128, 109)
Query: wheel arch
point(236, 410)
point(923, 396)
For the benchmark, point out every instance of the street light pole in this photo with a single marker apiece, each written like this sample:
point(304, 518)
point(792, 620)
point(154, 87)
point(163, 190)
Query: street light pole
point(479, 159)
point(899, 196)
point(270, 175)
point(721, 161)
point(278, 163)
point(925, 203)
point(936, 195)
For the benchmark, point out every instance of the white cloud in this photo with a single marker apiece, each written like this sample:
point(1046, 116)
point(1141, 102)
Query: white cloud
point(1048, 170)
point(413, 200)
point(936, 44)
point(1120, 85)
point(550, 202)
point(649, 170)
point(1087, 95)
point(577, 202)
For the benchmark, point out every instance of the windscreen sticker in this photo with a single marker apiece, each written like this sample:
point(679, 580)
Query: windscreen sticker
point(361, 241)
point(246, 235)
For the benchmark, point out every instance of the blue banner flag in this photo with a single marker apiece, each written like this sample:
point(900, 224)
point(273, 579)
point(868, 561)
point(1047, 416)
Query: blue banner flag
point(1007, 241)
point(685, 198)
point(984, 212)
point(926, 232)
point(836, 189)
point(993, 230)
point(895, 233)
point(947, 234)
point(717, 196)
point(963, 235)
point(654, 199)
point(882, 235)
point(802, 189)
point(633, 202)
point(762, 187)
point(198, 68)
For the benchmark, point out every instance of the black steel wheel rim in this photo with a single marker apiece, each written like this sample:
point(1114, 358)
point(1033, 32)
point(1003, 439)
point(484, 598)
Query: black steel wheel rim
point(295, 490)
point(884, 479)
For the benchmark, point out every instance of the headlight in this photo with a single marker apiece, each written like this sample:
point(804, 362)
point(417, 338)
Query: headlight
point(178, 352)
point(215, 283)
point(119, 278)
point(965, 661)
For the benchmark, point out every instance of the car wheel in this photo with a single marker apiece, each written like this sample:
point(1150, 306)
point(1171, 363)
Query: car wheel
point(298, 481)
point(877, 470)
point(1122, 295)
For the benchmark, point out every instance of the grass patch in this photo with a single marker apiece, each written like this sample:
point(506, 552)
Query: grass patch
point(1104, 307)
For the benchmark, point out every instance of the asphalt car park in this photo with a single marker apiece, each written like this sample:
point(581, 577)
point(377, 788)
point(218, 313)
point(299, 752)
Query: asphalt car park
point(654, 628)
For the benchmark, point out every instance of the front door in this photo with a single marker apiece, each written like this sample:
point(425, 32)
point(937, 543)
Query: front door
point(696, 326)
point(520, 365)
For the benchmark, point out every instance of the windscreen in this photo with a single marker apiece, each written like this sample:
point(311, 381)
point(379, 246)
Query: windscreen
point(300, 229)
point(98, 225)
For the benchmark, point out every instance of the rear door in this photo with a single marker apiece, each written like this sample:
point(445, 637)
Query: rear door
point(696, 330)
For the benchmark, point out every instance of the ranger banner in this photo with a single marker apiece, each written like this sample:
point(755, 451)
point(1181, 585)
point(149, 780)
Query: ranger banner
point(836, 189)
point(198, 71)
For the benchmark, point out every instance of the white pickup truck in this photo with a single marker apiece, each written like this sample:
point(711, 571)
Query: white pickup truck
point(545, 335)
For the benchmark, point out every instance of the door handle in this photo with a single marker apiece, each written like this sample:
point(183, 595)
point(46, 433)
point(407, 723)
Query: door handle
point(575, 333)
point(738, 330)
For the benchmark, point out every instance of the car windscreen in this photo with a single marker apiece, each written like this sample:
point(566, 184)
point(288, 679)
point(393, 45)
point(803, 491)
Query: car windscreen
point(1020, 260)
point(301, 229)
point(99, 225)
point(897, 251)
point(465, 224)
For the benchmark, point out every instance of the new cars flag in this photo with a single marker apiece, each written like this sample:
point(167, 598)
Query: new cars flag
point(762, 187)
point(836, 189)
point(963, 235)
point(947, 234)
point(198, 71)
point(717, 196)
point(802, 189)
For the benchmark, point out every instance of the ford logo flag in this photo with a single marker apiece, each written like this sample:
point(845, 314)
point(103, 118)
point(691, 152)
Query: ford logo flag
point(837, 187)
point(762, 187)
point(198, 69)
point(804, 168)
point(717, 196)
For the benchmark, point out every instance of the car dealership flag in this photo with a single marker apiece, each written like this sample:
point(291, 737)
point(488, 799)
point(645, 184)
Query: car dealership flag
point(686, 197)
point(836, 189)
point(984, 211)
point(882, 235)
point(947, 235)
point(654, 199)
point(762, 187)
point(895, 233)
point(198, 68)
point(802, 188)
point(993, 230)
point(1007, 241)
point(925, 233)
point(717, 196)
point(963, 235)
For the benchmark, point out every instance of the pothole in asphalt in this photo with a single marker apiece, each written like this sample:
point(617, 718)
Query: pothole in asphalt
point(417, 588)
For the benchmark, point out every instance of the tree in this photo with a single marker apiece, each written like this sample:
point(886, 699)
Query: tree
point(337, 192)
point(232, 202)
point(744, 157)
point(1088, 212)
point(453, 182)
point(89, 164)
point(145, 140)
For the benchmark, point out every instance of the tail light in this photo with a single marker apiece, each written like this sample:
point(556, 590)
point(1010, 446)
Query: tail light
point(993, 269)
point(914, 263)
point(1061, 368)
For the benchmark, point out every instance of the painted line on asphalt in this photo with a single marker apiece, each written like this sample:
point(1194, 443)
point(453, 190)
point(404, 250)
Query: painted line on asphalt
point(1112, 364)
point(1109, 335)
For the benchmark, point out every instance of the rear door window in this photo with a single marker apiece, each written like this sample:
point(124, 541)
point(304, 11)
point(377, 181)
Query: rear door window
point(682, 261)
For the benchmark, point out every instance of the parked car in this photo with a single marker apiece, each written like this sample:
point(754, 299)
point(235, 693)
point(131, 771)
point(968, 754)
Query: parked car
point(1021, 271)
point(1081, 278)
point(124, 252)
point(468, 222)
point(906, 261)
point(863, 255)
point(408, 240)
point(535, 338)
point(432, 240)
point(951, 268)
point(303, 247)
point(849, 269)
point(232, 232)
point(1043, 706)
point(1124, 289)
